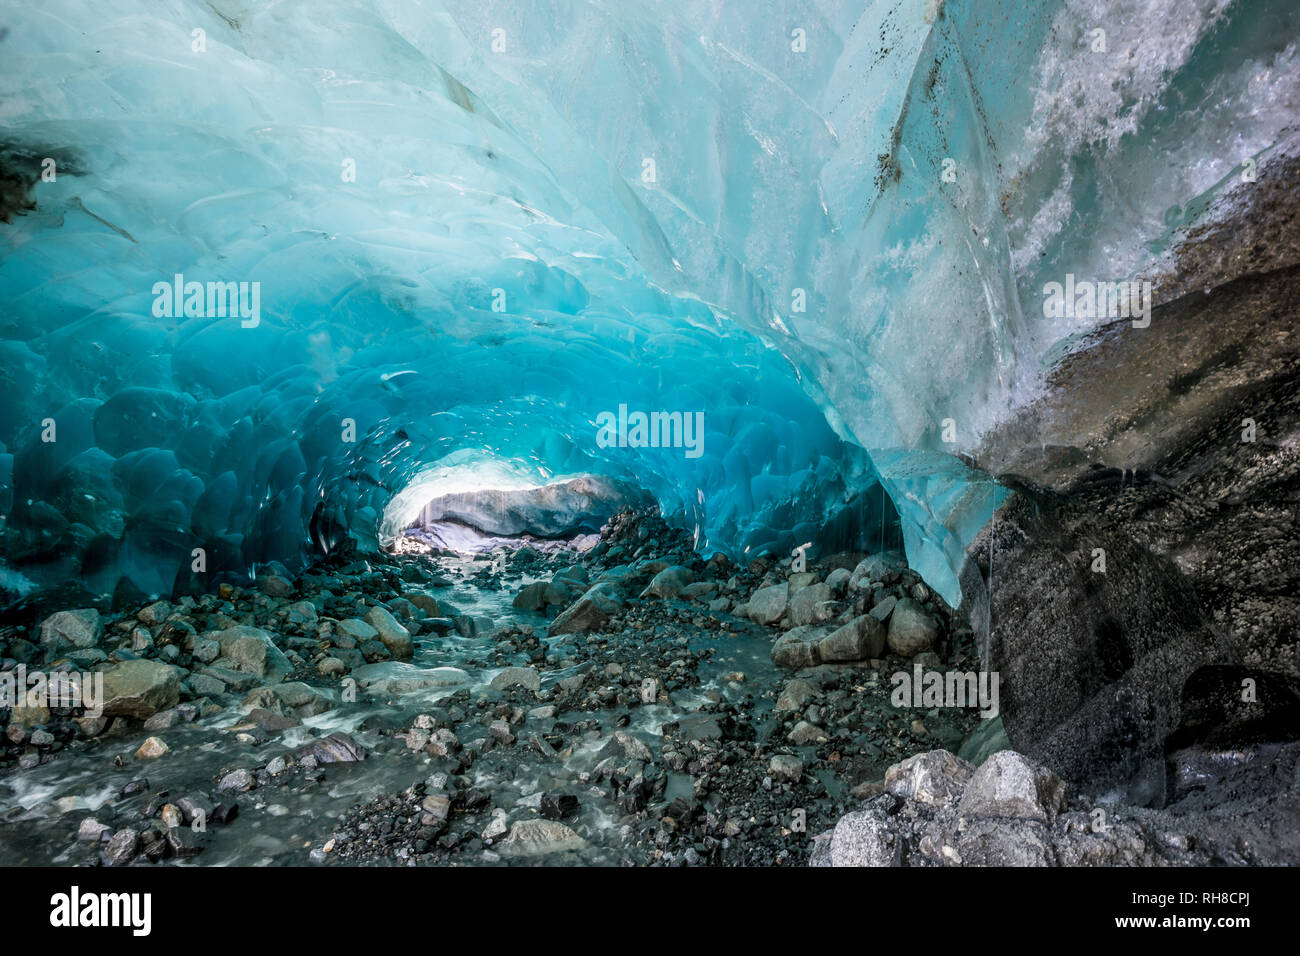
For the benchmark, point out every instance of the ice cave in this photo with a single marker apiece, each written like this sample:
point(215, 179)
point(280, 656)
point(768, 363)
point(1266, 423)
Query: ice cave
point(532, 422)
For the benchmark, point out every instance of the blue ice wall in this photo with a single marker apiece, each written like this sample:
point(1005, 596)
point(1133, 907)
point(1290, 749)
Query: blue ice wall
point(477, 225)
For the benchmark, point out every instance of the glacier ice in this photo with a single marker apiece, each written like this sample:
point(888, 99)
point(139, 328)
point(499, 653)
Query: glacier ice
point(476, 226)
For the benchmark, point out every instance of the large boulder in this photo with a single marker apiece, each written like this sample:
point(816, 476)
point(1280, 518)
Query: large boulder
point(861, 639)
point(393, 635)
point(140, 689)
point(526, 677)
point(531, 597)
point(810, 605)
point(935, 777)
point(864, 838)
point(911, 629)
point(64, 629)
point(766, 605)
point(396, 678)
point(1011, 785)
point(796, 694)
point(591, 612)
point(669, 582)
point(252, 650)
point(798, 647)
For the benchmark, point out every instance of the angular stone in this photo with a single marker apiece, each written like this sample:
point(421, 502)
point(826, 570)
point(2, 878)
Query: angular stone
point(65, 629)
point(798, 648)
point(253, 651)
point(356, 629)
point(864, 838)
point(861, 639)
point(531, 597)
point(334, 748)
point(796, 693)
point(140, 689)
point(91, 830)
point(811, 605)
point(591, 612)
point(786, 767)
point(539, 837)
point(766, 605)
point(122, 848)
point(1011, 785)
point(152, 748)
point(935, 777)
point(517, 677)
point(669, 582)
point(883, 608)
point(805, 733)
point(911, 629)
point(393, 635)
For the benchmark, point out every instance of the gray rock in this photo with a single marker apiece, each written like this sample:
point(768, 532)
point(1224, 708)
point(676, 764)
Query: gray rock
point(331, 667)
point(236, 781)
point(1010, 785)
point(356, 629)
point(884, 608)
point(838, 581)
point(766, 605)
point(669, 582)
point(65, 629)
point(497, 825)
point(140, 689)
point(164, 719)
point(633, 747)
point(301, 699)
point(334, 748)
point(936, 778)
point(155, 613)
point(122, 848)
point(275, 586)
point(796, 693)
point(253, 651)
point(805, 733)
point(811, 605)
point(798, 648)
point(786, 767)
point(531, 597)
point(1003, 843)
point(591, 612)
point(911, 629)
point(91, 830)
point(864, 838)
point(526, 677)
point(860, 639)
point(530, 838)
point(393, 635)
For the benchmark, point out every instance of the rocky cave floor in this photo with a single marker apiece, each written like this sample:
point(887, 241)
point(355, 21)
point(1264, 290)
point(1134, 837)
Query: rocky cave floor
point(430, 709)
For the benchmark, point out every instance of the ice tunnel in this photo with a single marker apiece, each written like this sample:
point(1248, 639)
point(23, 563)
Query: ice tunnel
point(275, 275)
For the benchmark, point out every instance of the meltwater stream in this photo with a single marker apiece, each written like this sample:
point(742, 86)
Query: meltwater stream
point(288, 813)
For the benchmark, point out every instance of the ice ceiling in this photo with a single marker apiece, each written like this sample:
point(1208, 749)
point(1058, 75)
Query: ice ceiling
point(474, 227)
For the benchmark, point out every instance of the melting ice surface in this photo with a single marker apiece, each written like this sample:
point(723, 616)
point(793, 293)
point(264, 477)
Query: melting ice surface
point(475, 226)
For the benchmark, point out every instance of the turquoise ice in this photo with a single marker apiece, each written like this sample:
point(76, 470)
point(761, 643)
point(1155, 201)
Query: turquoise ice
point(475, 226)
